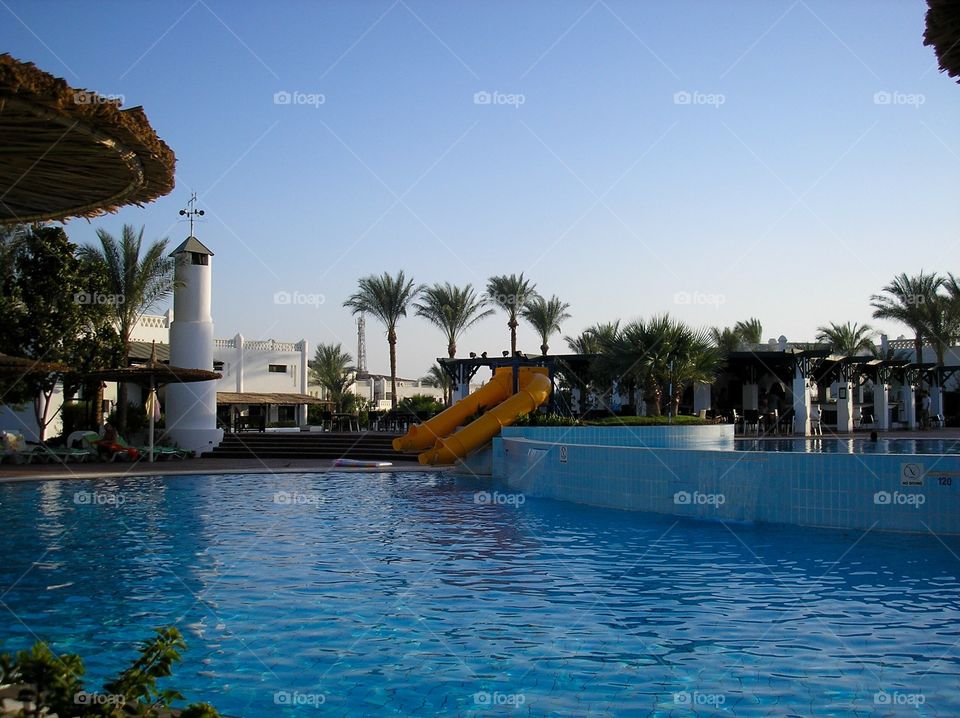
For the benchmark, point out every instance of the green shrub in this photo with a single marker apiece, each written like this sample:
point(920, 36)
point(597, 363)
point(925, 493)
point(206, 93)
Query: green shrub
point(137, 419)
point(648, 421)
point(54, 683)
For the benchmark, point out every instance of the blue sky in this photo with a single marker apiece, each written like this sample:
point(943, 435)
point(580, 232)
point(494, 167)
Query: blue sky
point(810, 155)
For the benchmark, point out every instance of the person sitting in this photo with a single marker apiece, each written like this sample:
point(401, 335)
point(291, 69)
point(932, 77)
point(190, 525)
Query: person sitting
point(110, 445)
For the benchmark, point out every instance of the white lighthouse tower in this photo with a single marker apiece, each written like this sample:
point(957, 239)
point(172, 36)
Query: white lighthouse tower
point(192, 408)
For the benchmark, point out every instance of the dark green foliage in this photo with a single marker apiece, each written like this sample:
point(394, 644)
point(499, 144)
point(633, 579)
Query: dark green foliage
point(54, 683)
point(420, 404)
point(52, 313)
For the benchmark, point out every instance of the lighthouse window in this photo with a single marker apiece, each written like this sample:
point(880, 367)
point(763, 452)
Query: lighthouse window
point(199, 258)
point(278, 368)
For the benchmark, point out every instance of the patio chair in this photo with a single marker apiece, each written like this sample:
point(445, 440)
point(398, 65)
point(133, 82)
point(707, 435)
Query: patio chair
point(61, 454)
point(751, 419)
point(937, 421)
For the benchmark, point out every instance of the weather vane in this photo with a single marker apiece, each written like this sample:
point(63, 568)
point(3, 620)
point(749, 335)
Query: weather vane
point(192, 212)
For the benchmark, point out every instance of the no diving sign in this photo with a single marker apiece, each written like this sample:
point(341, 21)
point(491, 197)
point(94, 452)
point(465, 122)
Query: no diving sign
point(911, 474)
point(563, 453)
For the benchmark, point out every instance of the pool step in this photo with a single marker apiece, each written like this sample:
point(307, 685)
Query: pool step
point(366, 445)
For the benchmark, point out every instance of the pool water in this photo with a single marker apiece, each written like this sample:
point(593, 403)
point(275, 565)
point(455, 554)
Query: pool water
point(424, 594)
point(859, 445)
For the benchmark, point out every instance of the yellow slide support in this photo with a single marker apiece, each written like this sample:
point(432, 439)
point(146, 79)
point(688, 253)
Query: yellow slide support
point(532, 394)
point(423, 436)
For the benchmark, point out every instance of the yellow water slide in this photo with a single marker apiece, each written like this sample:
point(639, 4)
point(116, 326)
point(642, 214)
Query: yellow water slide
point(533, 392)
point(423, 436)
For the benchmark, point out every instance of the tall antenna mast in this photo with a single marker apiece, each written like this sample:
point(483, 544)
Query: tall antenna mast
point(192, 212)
point(362, 345)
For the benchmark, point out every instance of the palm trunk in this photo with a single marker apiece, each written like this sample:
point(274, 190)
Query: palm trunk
point(544, 348)
point(392, 340)
point(513, 336)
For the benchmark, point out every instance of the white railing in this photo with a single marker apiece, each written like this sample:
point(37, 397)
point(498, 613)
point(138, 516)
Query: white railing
point(154, 321)
point(271, 345)
point(224, 344)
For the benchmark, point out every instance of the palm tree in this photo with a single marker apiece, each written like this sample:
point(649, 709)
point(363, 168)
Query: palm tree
point(137, 284)
point(545, 316)
point(386, 298)
point(661, 353)
point(750, 331)
point(332, 368)
point(727, 340)
point(848, 339)
point(510, 293)
point(593, 340)
point(905, 301)
point(439, 378)
point(942, 322)
point(452, 309)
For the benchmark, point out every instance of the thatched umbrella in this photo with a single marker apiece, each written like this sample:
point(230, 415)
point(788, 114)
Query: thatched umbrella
point(68, 152)
point(21, 366)
point(943, 33)
point(155, 373)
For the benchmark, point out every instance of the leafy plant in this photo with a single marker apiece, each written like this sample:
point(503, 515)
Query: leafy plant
point(53, 683)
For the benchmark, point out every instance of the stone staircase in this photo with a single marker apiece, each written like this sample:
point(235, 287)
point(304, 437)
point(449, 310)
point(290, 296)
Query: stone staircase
point(366, 445)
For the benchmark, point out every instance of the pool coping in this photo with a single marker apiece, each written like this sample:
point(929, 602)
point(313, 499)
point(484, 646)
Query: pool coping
point(13, 473)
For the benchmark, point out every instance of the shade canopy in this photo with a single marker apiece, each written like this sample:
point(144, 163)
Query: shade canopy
point(943, 33)
point(21, 366)
point(67, 152)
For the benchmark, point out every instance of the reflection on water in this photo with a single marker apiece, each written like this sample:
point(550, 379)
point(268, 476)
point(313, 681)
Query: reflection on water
point(408, 594)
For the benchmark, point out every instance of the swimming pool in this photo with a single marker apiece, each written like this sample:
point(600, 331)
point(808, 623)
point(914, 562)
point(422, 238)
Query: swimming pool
point(425, 594)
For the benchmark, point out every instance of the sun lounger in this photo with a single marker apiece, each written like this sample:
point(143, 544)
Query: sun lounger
point(109, 450)
point(60, 454)
point(14, 448)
